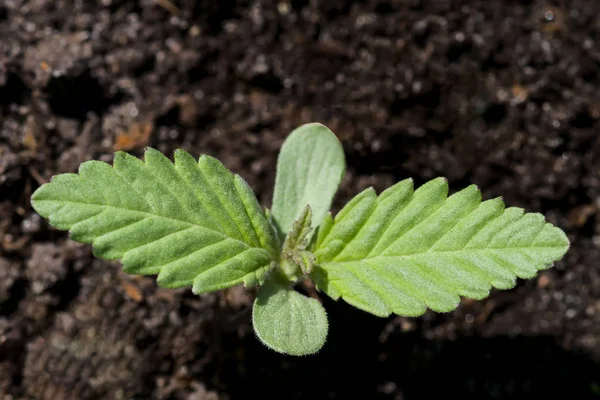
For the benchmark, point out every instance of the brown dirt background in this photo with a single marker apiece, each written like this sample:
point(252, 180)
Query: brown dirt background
point(503, 94)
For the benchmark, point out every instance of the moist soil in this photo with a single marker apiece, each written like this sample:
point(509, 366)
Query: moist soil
point(503, 94)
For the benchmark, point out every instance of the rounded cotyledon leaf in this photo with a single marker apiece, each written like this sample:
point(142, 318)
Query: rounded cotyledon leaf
point(310, 167)
point(191, 222)
point(289, 322)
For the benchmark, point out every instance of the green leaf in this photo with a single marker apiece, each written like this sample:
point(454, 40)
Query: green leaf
point(297, 238)
point(289, 322)
point(310, 167)
point(408, 250)
point(191, 222)
point(296, 241)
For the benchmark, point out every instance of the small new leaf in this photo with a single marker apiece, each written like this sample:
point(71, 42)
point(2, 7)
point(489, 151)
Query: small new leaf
point(297, 238)
point(191, 222)
point(305, 260)
point(404, 250)
point(294, 246)
point(289, 322)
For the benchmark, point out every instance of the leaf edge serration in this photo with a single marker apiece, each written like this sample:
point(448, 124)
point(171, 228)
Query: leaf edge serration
point(266, 245)
point(335, 266)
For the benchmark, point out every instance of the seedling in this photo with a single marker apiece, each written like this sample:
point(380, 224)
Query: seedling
point(194, 223)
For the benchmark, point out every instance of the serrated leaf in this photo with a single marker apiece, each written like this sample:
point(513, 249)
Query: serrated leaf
point(296, 241)
point(191, 222)
point(297, 238)
point(404, 250)
point(289, 322)
point(310, 167)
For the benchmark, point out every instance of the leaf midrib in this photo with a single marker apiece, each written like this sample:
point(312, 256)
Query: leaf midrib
point(158, 216)
point(414, 255)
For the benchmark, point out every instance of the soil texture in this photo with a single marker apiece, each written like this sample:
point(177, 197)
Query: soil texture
point(503, 94)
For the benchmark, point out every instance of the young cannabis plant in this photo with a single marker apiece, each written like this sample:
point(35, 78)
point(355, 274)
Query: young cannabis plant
point(194, 223)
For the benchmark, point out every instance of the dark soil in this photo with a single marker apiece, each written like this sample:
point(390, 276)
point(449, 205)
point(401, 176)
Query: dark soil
point(503, 94)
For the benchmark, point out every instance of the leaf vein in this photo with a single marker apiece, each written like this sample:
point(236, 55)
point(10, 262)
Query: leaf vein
point(120, 175)
point(158, 216)
point(222, 204)
point(454, 223)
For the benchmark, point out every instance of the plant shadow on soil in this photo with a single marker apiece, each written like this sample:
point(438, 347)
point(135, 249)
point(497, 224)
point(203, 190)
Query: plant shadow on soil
point(409, 366)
